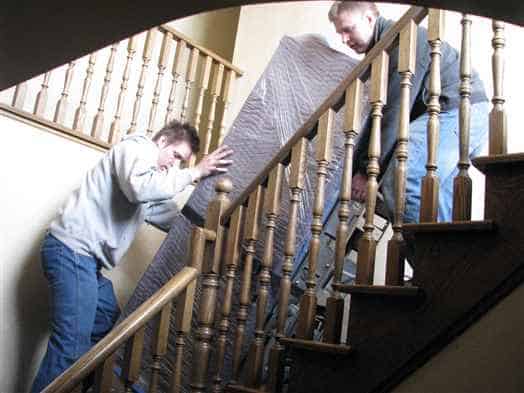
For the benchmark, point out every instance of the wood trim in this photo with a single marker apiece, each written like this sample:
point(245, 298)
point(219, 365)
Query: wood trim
point(207, 52)
point(317, 346)
point(414, 13)
point(456, 226)
point(54, 128)
point(122, 332)
point(485, 162)
point(379, 290)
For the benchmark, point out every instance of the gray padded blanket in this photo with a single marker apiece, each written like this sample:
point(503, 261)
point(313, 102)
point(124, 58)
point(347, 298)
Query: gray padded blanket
point(301, 74)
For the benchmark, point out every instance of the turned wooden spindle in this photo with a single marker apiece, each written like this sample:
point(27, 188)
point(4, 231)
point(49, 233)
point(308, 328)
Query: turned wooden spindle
point(462, 185)
point(272, 208)
point(184, 309)
point(19, 96)
point(159, 344)
point(497, 118)
point(176, 72)
point(296, 185)
point(133, 359)
point(80, 113)
point(190, 79)
point(232, 254)
point(216, 85)
point(146, 58)
point(352, 124)
point(210, 283)
point(430, 182)
point(104, 375)
point(165, 54)
point(406, 68)
point(41, 97)
point(116, 129)
point(98, 122)
point(63, 103)
point(308, 303)
point(251, 230)
point(229, 86)
point(203, 83)
point(377, 98)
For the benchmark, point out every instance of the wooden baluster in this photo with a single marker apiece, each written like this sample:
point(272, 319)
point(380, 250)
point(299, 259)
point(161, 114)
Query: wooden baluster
point(184, 309)
point(272, 207)
point(335, 303)
point(19, 96)
point(115, 129)
point(176, 71)
point(165, 53)
point(231, 263)
point(462, 185)
point(159, 344)
point(190, 79)
point(41, 97)
point(104, 375)
point(63, 103)
point(296, 185)
point(98, 122)
point(80, 113)
point(251, 230)
point(406, 69)
point(132, 359)
point(430, 182)
point(497, 118)
point(146, 58)
point(229, 86)
point(216, 84)
point(203, 83)
point(211, 270)
point(308, 303)
point(377, 98)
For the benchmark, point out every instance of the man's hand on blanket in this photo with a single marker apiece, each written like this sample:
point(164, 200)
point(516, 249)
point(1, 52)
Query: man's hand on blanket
point(215, 162)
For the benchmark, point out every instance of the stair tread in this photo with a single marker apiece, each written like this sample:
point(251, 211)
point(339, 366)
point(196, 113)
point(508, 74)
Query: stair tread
point(237, 388)
point(455, 226)
point(482, 163)
point(379, 290)
point(317, 346)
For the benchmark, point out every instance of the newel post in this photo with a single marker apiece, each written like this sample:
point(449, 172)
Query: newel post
point(210, 281)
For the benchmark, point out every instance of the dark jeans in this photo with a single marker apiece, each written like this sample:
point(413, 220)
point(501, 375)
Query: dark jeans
point(83, 308)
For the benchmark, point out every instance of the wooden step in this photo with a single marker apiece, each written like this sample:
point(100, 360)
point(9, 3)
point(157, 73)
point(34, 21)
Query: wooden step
point(455, 226)
point(380, 290)
point(317, 346)
point(484, 163)
point(241, 389)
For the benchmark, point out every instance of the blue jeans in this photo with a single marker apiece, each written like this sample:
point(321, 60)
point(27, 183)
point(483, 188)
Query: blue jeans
point(447, 158)
point(83, 308)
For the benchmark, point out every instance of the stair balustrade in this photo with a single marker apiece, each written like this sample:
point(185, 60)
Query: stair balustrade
point(115, 113)
point(226, 222)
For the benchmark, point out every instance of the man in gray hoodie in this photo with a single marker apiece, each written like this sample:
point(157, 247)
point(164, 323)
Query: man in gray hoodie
point(135, 181)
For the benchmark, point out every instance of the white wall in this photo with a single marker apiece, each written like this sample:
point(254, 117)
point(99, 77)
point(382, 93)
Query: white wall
point(39, 170)
point(486, 358)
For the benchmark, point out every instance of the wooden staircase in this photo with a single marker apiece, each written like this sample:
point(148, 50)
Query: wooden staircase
point(461, 270)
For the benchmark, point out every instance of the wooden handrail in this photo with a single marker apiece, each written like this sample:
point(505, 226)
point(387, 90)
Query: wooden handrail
point(414, 13)
point(207, 52)
point(122, 332)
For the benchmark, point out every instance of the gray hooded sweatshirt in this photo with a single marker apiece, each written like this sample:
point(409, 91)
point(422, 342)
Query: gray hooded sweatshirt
point(115, 197)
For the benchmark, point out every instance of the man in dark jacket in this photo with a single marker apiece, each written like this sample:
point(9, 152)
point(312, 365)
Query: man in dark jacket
point(361, 27)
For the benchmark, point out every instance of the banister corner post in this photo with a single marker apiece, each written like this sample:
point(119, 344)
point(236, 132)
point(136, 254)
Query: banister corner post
point(210, 282)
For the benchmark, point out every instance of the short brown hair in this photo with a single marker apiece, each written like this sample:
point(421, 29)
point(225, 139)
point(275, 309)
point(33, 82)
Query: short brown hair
point(175, 131)
point(347, 6)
